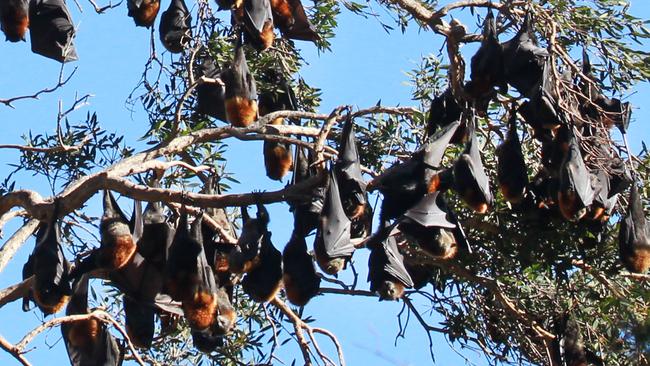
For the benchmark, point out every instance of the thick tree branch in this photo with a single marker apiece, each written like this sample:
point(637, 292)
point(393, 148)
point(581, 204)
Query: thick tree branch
point(12, 245)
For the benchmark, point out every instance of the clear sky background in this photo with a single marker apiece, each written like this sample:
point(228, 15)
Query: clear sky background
point(365, 65)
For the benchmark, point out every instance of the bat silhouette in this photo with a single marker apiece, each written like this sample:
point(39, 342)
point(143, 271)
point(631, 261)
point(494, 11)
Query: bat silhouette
point(210, 97)
point(443, 111)
point(348, 173)
point(175, 26)
point(301, 282)
point(289, 16)
point(143, 12)
point(264, 281)
point(387, 273)
point(512, 173)
point(245, 256)
point(51, 289)
point(404, 184)
point(575, 191)
point(51, 31)
point(523, 60)
point(487, 63)
point(306, 214)
point(470, 181)
point(14, 19)
point(258, 23)
point(241, 93)
point(87, 341)
point(633, 236)
point(332, 244)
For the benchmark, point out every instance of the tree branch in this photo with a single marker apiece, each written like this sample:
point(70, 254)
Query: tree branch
point(11, 246)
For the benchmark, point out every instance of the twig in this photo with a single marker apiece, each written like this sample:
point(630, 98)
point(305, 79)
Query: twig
point(13, 351)
point(9, 102)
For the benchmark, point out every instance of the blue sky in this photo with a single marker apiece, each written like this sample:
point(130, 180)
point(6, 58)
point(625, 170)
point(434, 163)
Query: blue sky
point(365, 65)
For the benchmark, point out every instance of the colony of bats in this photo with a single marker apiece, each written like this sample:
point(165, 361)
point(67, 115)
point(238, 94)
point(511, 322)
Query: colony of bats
point(170, 263)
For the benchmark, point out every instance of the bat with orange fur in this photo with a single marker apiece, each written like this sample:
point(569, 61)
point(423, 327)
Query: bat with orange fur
point(88, 341)
point(301, 283)
point(634, 236)
point(470, 181)
point(14, 19)
point(143, 12)
point(51, 289)
point(241, 92)
point(575, 191)
point(258, 23)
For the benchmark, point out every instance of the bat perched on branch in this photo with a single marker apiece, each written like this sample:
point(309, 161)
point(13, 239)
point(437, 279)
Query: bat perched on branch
point(143, 12)
point(404, 184)
point(306, 214)
point(258, 23)
point(241, 93)
point(245, 256)
point(470, 181)
point(50, 289)
point(427, 225)
point(634, 237)
point(511, 169)
point(289, 16)
point(332, 244)
point(117, 244)
point(348, 173)
point(523, 60)
point(51, 31)
point(543, 111)
point(156, 233)
point(210, 97)
point(278, 158)
point(386, 271)
point(87, 341)
point(301, 282)
point(14, 19)
point(575, 191)
point(175, 23)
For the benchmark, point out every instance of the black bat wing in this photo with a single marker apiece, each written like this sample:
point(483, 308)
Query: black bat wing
point(487, 63)
point(458, 231)
point(136, 224)
point(28, 271)
point(434, 149)
point(334, 228)
point(263, 282)
point(51, 286)
point(51, 30)
point(175, 23)
point(395, 264)
point(301, 29)
point(512, 172)
point(427, 213)
point(443, 111)
point(574, 175)
point(206, 341)
point(476, 172)
point(112, 209)
point(238, 78)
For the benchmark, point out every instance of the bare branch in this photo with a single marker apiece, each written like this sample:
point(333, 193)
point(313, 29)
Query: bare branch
point(61, 82)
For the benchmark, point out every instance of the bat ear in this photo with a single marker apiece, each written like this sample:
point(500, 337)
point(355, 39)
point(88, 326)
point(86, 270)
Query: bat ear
point(136, 224)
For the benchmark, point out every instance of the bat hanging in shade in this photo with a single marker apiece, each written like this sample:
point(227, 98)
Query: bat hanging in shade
point(332, 244)
point(613, 111)
point(427, 225)
point(143, 12)
point(278, 158)
point(523, 60)
point(211, 96)
point(386, 271)
point(245, 256)
point(603, 203)
point(634, 236)
point(470, 181)
point(306, 214)
point(87, 341)
point(241, 93)
point(117, 243)
point(50, 289)
point(51, 30)
point(543, 110)
point(569, 344)
point(258, 23)
point(403, 184)
point(175, 26)
point(14, 19)
point(301, 283)
point(443, 111)
point(264, 281)
point(290, 17)
point(512, 173)
point(487, 64)
point(156, 233)
point(348, 173)
point(575, 191)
